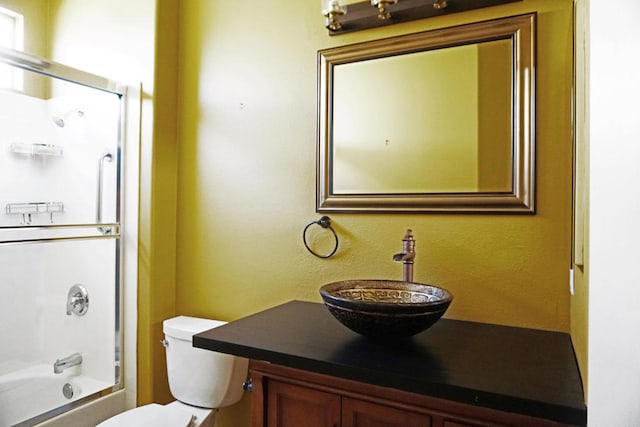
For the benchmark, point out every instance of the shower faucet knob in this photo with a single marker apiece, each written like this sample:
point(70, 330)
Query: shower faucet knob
point(77, 300)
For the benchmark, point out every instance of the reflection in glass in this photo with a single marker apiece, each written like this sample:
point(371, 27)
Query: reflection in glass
point(437, 121)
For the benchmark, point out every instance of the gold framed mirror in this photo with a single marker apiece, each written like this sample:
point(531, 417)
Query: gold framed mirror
point(438, 121)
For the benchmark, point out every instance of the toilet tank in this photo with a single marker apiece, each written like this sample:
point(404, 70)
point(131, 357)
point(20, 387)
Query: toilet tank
point(201, 377)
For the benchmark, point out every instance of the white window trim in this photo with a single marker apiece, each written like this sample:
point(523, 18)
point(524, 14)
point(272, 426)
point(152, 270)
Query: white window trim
point(17, 78)
point(18, 27)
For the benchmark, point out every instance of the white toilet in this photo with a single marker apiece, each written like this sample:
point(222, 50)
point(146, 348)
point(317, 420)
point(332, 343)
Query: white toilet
point(201, 380)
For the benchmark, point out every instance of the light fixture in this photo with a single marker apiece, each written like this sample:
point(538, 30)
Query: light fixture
point(362, 15)
point(382, 6)
point(331, 9)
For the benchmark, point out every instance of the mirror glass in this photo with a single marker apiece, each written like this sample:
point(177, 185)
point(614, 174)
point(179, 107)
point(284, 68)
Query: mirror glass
point(434, 121)
point(424, 137)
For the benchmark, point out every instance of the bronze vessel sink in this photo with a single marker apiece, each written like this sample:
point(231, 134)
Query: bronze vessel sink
point(385, 308)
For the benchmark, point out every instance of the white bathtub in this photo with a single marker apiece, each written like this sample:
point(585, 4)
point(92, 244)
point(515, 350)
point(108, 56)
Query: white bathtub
point(28, 393)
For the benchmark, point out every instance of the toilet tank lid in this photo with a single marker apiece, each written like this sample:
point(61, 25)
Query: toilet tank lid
point(184, 327)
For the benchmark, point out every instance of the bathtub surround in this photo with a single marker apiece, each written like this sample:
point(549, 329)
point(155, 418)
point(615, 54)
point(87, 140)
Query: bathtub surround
point(47, 180)
point(82, 35)
point(54, 254)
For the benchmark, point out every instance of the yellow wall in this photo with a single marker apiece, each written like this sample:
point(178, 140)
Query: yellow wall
point(392, 136)
point(246, 177)
point(494, 118)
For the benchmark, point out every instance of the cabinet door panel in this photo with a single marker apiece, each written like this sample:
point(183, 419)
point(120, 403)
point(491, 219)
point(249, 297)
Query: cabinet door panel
point(450, 422)
point(293, 406)
point(358, 413)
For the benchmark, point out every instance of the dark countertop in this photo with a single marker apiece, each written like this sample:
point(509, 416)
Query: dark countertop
point(526, 371)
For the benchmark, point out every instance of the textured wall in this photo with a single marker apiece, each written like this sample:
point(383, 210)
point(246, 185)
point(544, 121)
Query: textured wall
point(247, 177)
point(247, 135)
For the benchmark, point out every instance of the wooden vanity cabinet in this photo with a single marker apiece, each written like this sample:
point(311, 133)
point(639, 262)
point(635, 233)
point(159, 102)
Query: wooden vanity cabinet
point(361, 413)
point(287, 397)
point(289, 405)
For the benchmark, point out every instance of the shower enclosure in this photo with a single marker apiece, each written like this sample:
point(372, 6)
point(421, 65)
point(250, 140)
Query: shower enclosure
point(61, 251)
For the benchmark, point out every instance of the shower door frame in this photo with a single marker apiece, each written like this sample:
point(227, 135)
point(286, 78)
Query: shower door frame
point(113, 230)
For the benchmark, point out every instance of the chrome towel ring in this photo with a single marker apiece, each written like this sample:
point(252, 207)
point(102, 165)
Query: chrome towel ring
point(324, 222)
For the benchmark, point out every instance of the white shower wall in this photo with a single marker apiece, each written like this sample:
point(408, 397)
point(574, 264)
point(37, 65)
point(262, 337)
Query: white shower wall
point(71, 178)
point(35, 277)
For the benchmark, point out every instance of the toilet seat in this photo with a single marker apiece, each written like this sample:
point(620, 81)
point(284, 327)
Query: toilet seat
point(151, 415)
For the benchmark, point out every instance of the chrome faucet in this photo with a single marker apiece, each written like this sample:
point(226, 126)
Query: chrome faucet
point(407, 256)
point(66, 362)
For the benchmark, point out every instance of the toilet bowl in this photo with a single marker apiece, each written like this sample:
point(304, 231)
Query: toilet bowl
point(200, 380)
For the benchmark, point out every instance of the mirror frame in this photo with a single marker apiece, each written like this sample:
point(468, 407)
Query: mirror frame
point(521, 199)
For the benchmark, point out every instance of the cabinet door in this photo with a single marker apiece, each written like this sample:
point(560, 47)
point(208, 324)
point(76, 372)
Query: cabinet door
point(293, 406)
point(358, 413)
point(452, 421)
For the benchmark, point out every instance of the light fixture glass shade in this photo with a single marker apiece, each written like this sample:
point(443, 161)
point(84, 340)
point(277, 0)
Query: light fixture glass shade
point(333, 6)
point(331, 9)
point(382, 5)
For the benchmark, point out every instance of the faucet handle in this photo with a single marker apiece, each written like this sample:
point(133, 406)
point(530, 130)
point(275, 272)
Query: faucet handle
point(408, 242)
point(77, 300)
point(408, 235)
point(407, 256)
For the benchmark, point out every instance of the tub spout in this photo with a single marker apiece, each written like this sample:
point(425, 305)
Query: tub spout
point(66, 362)
point(407, 256)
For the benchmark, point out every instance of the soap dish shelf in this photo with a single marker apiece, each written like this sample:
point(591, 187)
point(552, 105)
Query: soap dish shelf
point(36, 149)
point(34, 208)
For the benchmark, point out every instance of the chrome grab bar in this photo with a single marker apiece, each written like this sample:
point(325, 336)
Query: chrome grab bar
point(108, 157)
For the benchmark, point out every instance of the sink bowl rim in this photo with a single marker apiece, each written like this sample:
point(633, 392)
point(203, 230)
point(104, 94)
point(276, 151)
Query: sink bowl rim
point(385, 306)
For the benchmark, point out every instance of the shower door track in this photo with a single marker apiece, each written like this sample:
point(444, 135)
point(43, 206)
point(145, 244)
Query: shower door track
point(115, 234)
point(52, 69)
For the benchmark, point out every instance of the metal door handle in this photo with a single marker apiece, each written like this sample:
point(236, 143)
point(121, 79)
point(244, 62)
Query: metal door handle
point(108, 157)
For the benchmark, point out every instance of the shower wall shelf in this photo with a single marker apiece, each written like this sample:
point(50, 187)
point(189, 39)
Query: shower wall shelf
point(34, 208)
point(36, 149)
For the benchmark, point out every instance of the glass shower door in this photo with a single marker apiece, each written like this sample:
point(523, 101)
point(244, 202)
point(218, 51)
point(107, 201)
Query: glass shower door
point(60, 246)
